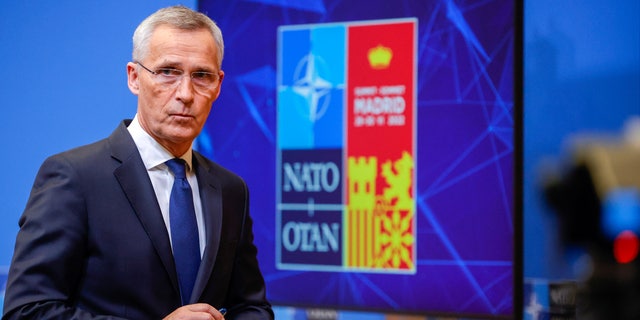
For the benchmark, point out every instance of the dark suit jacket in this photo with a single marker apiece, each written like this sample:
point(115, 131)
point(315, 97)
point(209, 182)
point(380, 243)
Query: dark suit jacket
point(92, 241)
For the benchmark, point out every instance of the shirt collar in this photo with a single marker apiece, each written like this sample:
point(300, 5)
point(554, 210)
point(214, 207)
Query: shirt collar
point(153, 154)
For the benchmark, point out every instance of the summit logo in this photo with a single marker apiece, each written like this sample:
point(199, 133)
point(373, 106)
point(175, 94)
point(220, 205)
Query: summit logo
point(345, 148)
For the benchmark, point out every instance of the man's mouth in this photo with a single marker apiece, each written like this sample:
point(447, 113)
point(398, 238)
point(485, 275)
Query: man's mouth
point(182, 116)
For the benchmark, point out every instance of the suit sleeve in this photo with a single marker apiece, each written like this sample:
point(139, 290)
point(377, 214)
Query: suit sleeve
point(50, 248)
point(247, 290)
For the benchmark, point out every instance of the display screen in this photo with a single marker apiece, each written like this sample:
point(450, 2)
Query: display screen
point(377, 140)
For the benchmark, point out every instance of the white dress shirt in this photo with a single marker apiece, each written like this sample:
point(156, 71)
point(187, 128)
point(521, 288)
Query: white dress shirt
point(154, 157)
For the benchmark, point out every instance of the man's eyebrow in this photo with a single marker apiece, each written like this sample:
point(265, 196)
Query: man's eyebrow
point(169, 64)
point(205, 69)
point(179, 65)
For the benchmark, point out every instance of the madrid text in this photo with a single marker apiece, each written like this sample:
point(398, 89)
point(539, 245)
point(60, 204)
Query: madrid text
point(379, 106)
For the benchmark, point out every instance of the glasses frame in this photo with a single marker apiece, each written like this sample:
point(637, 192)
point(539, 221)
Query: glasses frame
point(215, 85)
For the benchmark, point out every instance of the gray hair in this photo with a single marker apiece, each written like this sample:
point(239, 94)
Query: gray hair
point(179, 17)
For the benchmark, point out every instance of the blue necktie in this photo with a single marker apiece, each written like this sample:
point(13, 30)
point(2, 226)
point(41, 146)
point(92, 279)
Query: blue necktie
point(184, 229)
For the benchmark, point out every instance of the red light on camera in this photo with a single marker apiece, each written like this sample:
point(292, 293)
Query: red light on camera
point(626, 246)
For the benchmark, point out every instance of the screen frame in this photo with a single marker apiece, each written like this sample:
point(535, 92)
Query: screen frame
point(517, 270)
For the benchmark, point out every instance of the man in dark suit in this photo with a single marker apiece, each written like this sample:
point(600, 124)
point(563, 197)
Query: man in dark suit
point(98, 237)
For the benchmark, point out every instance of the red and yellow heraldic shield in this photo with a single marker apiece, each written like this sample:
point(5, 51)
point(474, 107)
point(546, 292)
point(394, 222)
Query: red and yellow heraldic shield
point(380, 231)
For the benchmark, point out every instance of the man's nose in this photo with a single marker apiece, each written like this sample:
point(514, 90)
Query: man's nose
point(185, 90)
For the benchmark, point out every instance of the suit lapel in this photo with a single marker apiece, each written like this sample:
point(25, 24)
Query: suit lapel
point(134, 180)
point(211, 198)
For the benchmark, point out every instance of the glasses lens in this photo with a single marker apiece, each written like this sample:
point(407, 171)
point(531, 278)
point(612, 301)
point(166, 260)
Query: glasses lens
point(206, 80)
point(168, 75)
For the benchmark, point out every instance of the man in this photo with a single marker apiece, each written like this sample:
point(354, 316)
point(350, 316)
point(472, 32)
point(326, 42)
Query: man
point(99, 238)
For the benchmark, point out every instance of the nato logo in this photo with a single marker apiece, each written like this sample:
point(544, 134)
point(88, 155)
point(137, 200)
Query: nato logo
point(344, 195)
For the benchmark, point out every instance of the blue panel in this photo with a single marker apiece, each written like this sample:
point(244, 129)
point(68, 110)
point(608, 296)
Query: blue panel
point(310, 95)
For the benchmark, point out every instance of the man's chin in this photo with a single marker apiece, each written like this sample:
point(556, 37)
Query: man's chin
point(182, 134)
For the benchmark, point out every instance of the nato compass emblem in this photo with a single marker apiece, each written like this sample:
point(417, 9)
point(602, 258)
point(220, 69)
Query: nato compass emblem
point(310, 84)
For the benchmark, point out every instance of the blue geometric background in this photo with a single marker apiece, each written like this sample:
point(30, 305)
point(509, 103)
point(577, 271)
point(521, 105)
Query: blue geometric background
point(465, 223)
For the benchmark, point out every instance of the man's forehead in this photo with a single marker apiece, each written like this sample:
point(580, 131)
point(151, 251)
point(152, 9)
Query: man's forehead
point(168, 41)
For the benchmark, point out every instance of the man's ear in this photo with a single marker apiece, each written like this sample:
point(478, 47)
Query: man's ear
point(132, 78)
point(217, 93)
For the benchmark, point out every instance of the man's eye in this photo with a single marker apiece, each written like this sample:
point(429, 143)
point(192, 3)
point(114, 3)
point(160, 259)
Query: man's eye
point(206, 76)
point(169, 72)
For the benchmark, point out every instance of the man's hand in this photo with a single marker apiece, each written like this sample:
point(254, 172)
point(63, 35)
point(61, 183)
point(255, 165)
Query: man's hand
point(197, 311)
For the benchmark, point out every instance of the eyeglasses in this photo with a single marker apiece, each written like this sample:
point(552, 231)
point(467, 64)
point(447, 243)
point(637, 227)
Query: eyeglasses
point(170, 77)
